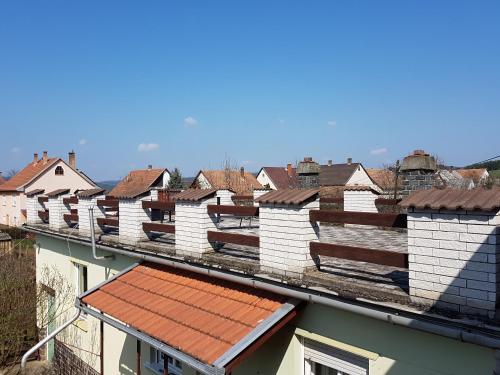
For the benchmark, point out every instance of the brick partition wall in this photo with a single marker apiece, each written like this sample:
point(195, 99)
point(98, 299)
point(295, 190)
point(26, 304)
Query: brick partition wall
point(56, 211)
point(257, 193)
point(454, 260)
point(192, 222)
point(32, 208)
point(285, 233)
point(225, 197)
point(131, 217)
point(360, 200)
point(84, 203)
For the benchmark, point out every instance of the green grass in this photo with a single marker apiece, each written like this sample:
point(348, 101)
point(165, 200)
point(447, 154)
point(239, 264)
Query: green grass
point(495, 173)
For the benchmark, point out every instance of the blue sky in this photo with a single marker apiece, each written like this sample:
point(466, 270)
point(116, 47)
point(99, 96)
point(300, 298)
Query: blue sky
point(263, 82)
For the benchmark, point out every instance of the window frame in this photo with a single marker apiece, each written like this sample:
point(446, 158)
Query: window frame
point(155, 362)
point(59, 168)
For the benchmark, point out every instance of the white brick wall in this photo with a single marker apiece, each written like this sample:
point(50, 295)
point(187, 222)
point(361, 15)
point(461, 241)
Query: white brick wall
point(453, 259)
point(56, 211)
point(32, 208)
point(191, 225)
point(285, 233)
point(360, 201)
point(225, 197)
point(257, 193)
point(131, 217)
point(83, 206)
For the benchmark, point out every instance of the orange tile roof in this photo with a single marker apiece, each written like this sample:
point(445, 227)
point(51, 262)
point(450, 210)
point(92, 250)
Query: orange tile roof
point(136, 183)
point(475, 174)
point(232, 180)
point(27, 174)
point(197, 314)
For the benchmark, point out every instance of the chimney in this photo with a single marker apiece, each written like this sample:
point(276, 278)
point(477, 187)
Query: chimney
point(349, 161)
point(35, 158)
point(308, 173)
point(72, 159)
point(330, 163)
point(418, 172)
point(289, 169)
point(242, 172)
point(150, 166)
point(45, 157)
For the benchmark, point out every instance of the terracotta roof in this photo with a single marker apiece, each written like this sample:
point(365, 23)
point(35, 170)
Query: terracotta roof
point(27, 174)
point(32, 193)
point(288, 196)
point(90, 192)
point(336, 174)
point(57, 192)
point(196, 314)
point(384, 178)
point(454, 199)
point(280, 178)
point(232, 180)
point(194, 195)
point(137, 182)
point(2, 180)
point(360, 188)
point(475, 174)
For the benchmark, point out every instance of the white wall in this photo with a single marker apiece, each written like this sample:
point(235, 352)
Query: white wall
point(360, 177)
point(360, 201)
point(264, 179)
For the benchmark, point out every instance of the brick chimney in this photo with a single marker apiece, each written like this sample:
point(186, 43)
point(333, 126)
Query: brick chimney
point(349, 161)
point(35, 158)
point(308, 173)
point(45, 157)
point(418, 171)
point(242, 172)
point(289, 169)
point(72, 159)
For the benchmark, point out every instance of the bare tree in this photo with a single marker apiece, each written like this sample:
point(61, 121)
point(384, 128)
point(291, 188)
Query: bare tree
point(11, 173)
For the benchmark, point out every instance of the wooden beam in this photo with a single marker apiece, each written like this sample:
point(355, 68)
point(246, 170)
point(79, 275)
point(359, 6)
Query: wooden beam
point(70, 200)
point(331, 200)
point(235, 238)
point(71, 217)
point(158, 227)
point(361, 254)
point(387, 201)
point(44, 215)
point(233, 210)
point(159, 205)
point(109, 221)
point(362, 218)
point(43, 199)
point(107, 203)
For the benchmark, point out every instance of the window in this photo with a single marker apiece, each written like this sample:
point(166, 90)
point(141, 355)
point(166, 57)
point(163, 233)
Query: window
point(81, 283)
point(59, 171)
point(156, 360)
point(14, 201)
point(321, 359)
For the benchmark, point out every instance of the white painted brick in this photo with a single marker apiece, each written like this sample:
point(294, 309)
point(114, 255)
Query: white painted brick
point(474, 275)
point(446, 218)
point(473, 293)
point(452, 227)
point(452, 245)
point(443, 253)
point(447, 271)
point(426, 225)
point(481, 304)
point(426, 242)
point(480, 266)
point(451, 236)
point(481, 285)
point(481, 229)
point(476, 238)
point(481, 248)
point(474, 219)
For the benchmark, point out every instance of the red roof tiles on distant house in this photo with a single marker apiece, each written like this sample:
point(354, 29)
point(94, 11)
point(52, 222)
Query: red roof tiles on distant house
point(232, 180)
point(138, 182)
point(281, 177)
point(27, 174)
point(475, 174)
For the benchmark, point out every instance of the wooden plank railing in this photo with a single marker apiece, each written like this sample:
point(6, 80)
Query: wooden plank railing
point(158, 227)
point(234, 238)
point(242, 197)
point(44, 215)
point(71, 217)
point(107, 203)
point(331, 200)
point(159, 205)
point(43, 199)
point(70, 200)
point(108, 221)
point(233, 210)
point(361, 218)
point(387, 201)
point(360, 254)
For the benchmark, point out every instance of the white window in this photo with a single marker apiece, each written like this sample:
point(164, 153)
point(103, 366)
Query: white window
point(81, 282)
point(156, 360)
point(321, 359)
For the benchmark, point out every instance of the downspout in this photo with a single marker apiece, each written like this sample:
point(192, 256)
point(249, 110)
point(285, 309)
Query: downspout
point(47, 339)
point(92, 236)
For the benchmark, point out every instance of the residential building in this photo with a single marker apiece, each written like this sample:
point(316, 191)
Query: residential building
point(344, 174)
point(240, 182)
point(283, 295)
point(141, 181)
point(478, 175)
point(278, 178)
point(45, 174)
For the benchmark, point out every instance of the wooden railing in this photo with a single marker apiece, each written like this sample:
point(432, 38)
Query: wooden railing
point(234, 238)
point(44, 215)
point(233, 210)
point(360, 218)
point(159, 205)
point(107, 203)
point(70, 200)
point(108, 221)
point(70, 217)
point(43, 199)
point(158, 227)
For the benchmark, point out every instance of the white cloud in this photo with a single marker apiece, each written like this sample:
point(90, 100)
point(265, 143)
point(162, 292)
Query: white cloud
point(147, 147)
point(82, 141)
point(190, 122)
point(15, 149)
point(379, 151)
point(332, 123)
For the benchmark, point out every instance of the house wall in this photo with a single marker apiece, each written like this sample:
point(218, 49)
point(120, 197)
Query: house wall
point(264, 179)
point(10, 214)
point(360, 177)
point(203, 182)
point(360, 201)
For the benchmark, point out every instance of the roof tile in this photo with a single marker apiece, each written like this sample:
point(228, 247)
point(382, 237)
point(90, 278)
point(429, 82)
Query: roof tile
point(288, 196)
point(137, 183)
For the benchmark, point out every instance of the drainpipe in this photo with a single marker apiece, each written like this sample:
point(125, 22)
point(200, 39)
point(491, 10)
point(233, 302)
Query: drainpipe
point(47, 339)
point(92, 236)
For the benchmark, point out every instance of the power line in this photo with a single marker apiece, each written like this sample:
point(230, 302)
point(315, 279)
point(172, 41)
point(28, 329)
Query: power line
point(484, 161)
